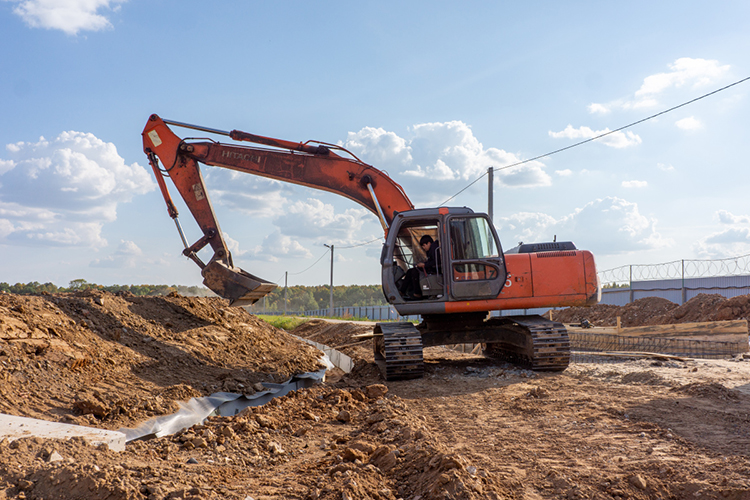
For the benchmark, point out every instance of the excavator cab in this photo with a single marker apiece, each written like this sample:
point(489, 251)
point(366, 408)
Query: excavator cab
point(470, 262)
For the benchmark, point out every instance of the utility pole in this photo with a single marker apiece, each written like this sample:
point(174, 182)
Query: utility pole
point(286, 275)
point(330, 310)
point(490, 200)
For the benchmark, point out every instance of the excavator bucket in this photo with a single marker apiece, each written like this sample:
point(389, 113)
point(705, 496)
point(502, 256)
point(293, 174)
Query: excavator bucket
point(240, 287)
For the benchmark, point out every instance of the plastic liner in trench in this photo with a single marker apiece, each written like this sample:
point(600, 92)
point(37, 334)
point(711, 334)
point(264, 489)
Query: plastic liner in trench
point(197, 410)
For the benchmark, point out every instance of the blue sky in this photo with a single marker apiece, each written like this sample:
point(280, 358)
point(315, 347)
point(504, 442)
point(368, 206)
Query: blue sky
point(434, 93)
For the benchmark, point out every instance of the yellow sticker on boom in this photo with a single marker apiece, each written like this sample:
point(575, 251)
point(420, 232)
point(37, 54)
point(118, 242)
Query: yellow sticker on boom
point(155, 139)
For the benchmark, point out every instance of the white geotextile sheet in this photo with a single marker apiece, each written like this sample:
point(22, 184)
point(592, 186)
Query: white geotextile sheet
point(197, 410)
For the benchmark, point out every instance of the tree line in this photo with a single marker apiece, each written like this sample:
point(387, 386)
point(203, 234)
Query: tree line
point(298, 298)
point(34, 287)
point(308, 298)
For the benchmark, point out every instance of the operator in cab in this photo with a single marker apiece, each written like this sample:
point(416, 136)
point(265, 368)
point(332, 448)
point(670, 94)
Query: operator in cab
point(409, 287)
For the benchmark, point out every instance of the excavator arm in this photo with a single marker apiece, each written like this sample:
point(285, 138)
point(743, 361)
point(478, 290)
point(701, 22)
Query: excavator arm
point(316, 166)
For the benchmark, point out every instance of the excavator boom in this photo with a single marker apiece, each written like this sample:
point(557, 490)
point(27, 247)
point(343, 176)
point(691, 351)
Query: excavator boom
point(315, 166)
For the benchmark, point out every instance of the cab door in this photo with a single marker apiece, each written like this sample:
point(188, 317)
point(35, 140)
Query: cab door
point(477, 265)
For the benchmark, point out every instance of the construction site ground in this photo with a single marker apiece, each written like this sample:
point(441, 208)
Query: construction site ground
point(471, 428)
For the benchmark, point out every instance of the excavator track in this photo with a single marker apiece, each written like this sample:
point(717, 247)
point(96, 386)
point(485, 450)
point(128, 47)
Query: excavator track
point(531, 341)
point(398, 352)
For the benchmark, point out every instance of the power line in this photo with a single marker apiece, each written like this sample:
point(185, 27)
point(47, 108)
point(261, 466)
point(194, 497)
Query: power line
point(326, 253)
point(360, 244)
point(305, 270)
point(601, 135)
point(467, 187)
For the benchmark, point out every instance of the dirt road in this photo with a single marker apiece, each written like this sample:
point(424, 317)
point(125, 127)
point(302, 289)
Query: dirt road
point(470, 429)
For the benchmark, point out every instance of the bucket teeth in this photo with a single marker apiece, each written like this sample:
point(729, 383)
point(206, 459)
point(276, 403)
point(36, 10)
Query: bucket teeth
point(240, 287)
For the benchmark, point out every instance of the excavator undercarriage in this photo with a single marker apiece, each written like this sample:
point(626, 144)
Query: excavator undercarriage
point(530, 341)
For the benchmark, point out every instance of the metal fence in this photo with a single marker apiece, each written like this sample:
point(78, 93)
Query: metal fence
point(678, 291)
point(705, 349)
point(375, 313)
point(677, 281)
point(677, 269)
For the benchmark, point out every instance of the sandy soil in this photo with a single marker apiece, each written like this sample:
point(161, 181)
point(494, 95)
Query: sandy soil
point(469, 429)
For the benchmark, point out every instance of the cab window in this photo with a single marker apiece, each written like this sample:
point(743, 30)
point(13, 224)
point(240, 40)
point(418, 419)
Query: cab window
point(471, 240)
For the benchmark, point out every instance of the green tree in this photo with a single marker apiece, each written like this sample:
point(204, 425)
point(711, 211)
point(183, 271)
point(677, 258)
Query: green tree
point(78, 284)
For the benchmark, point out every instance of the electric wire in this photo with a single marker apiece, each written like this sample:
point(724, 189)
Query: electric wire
point(307, 269)
point(324, 254)
point(359, 244)
point(494, 169)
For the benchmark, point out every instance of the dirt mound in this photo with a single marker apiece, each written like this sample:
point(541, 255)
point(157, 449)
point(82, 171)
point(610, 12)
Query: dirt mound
point(702, 307)
point(636, 313)
point(471, 428)
point(321, 443)
point(95, 358)
point(332, 334)
point(657, 311)
point(709, 391)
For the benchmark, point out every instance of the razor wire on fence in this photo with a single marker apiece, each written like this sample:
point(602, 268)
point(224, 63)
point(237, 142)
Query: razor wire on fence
point(678, 269)
point(691, 348)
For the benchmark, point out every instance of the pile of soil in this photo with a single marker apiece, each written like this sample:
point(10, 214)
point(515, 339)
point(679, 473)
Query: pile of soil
point(657, 311)
point(94, 358)
point(470, 429)
point(319, 443)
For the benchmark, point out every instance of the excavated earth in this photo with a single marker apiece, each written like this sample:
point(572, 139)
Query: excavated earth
point(658, 311)
point(470, 429)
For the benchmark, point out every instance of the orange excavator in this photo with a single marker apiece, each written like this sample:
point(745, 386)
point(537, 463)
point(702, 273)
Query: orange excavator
point(470, 274)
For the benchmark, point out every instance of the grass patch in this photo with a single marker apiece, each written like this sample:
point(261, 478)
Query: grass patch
point(287, 323)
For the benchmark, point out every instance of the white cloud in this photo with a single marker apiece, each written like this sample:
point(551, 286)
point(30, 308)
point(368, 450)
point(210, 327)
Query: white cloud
point(339, 257)
point(598, 109)
point(606, 226)
point(437, 157)
point(526, 226)
point(617, 140)
point(726, 217)
point(732, 240)
point(126, 256)
point(379, 147)
point(689, 123)
point(728, 236)
point(665, 168)
point(564, 173)
point(62, 191)
point(634, 184)
point(277, 245)
point(6, 165)
point(70, 16)
point(432, 162)
point(233, 246)
point(250, 195)
point(684, 72)
point(315, 219)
